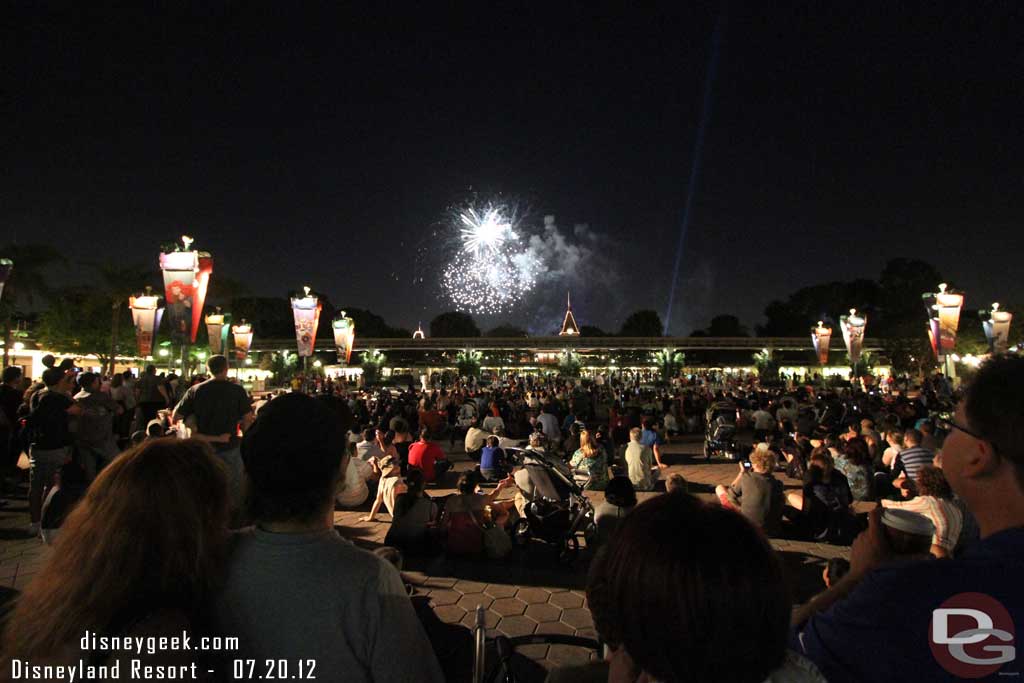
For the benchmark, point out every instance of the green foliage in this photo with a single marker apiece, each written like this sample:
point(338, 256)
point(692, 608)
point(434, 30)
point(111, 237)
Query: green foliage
point(372, 360)
point(569, 363)
point(282, 364)
point(453, 324)
point(78, 322)
point(670, 362)
point(864, 366)
point(468, 362)
point(646, 323)
point(767, 368)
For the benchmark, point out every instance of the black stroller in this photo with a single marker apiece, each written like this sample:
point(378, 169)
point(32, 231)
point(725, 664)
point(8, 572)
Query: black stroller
point(558, 512)
point(720, 434)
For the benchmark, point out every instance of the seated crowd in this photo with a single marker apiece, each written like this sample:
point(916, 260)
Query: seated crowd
point(244, 543)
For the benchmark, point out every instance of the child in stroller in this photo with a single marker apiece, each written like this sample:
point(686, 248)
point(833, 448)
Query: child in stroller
point(553, 507)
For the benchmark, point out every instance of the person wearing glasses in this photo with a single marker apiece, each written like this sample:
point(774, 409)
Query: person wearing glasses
point(886, 608)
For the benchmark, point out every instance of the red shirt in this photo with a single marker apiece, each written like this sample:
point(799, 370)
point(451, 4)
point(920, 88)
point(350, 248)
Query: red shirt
point(424, 455)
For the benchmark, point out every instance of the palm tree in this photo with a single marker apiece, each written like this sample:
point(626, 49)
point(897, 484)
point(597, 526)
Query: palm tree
point(27, 282)
point(118, 282)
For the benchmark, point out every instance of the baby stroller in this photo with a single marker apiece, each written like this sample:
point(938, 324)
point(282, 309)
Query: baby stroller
point(720, 435)
point(503, 650)
point(558, 512)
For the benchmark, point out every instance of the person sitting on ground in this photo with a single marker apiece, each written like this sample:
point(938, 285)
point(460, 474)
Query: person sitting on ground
point(493, 419)
point(640, 465)
point(475, 439)
point(390, 485)
point(295, 589)
point(414, 518)
point(619, 500)
point(910, 461)
point(120, 569)
point(571, 444)
point(679, 566)
point(855, 464)
point(934, 500)
point(354, 489)
point(463, 517)
point(649, 437)
point(894, 444)
point(825, 499)
point(492, 460)
point(591, 460)
point(929, 441)
point(676, 482)
point(756, 492)
point(427, 455)
point(369, 448)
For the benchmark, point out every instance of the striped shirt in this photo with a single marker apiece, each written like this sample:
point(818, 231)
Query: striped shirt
point(945, 515)
point(911, 460)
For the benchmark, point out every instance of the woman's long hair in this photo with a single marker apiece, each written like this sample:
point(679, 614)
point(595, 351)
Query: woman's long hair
point(149, 533)
point(589, 446)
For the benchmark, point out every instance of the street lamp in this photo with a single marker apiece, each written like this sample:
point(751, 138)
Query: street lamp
point(306, 311)
point(997, 329)
point(146, 314)
point(344, 336)
point(821, 336)
point(853, 334)
point(243, 339)
point(215, 329)
point(943, 320)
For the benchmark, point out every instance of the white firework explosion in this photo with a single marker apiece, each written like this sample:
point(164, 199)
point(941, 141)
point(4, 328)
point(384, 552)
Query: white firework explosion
point(493, 271)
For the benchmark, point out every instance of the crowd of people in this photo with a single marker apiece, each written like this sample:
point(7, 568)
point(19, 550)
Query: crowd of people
point(227, 529)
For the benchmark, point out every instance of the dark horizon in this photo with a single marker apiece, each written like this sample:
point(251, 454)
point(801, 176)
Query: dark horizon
point(329, 147)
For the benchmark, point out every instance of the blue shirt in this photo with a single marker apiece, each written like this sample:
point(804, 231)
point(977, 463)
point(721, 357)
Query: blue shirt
point(880, 631)
point(649, 437)
point(491, 457)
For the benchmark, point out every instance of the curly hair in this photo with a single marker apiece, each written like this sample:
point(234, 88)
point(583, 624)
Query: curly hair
point(931, 481)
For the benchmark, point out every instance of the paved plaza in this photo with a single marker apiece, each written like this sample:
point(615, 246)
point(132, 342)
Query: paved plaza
point(528, 592)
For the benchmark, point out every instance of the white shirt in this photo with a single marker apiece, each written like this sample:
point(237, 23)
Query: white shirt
point(550, 424)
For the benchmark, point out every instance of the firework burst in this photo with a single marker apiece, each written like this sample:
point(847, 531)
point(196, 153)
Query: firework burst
point(493, 271)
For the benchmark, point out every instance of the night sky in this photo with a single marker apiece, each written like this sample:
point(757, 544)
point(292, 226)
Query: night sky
point(310, 144)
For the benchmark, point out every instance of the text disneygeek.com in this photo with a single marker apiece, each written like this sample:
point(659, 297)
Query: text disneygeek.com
point(139, 658)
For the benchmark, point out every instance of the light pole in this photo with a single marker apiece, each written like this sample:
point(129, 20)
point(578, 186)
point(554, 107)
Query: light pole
point(997, 329)
point(943, 320)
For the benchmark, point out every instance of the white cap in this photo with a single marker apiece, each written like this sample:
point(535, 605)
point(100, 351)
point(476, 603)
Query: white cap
point(908, 522)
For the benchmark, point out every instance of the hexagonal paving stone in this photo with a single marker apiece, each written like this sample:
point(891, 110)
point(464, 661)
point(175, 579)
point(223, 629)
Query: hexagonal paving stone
point(566, 600)
point(508, 607)
point(534, 652)
point(568, 655)
point(497, 590)
point(516, 626)
point(491, 620)
point(450, 614)
point(543, 613)
point(578, 618)
point(532, 596)
point(473, 600)
point(443, 596)
point(466, 587)
point(440, 582)
point(555, 627)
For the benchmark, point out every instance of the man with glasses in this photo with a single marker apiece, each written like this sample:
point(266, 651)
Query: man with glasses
point(886, 608)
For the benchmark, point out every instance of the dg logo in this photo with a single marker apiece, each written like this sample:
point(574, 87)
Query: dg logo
point(972, 635)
